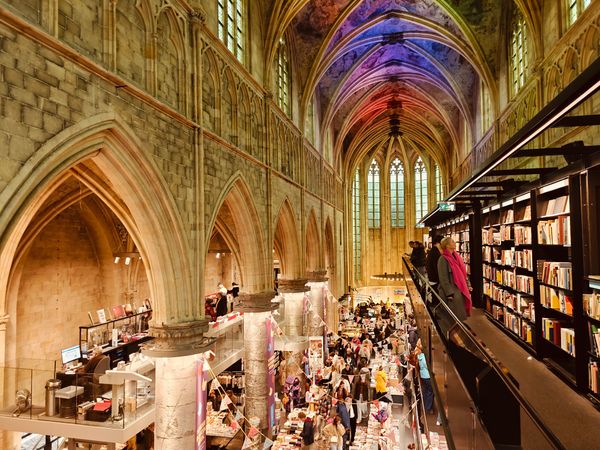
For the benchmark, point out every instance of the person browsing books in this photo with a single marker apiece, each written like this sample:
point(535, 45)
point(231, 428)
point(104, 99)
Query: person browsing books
point(454, 287)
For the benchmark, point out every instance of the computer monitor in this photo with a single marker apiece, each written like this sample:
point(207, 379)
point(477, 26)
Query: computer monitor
point(70, 354)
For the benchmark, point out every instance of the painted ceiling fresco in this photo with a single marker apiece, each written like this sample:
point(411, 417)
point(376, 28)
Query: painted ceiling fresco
point(426, 58)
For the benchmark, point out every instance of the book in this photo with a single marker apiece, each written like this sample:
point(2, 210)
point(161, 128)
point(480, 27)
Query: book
point(118, 311)
point(101, 315)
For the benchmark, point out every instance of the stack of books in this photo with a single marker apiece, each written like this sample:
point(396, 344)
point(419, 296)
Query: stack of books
point(555, 273)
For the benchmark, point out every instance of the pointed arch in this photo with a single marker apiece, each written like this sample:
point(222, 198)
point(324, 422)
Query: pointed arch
point(236, 213)
point(107, 157)
point(286, 243)
point(313, 243)
point(329, 254)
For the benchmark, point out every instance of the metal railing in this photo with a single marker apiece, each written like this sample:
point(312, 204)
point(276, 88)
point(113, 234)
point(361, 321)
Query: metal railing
point(484, 379)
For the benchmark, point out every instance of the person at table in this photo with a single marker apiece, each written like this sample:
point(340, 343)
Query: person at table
point(308, 431)
point(95, 358)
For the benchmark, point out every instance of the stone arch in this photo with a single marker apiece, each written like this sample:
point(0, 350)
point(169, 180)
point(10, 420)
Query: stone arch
point(590, 46)
point(132, 33)
point(236, 212)
point(107, 158)
point(286, 243)
point(170, 55)
point(329, 254)
point(229, 106)
point(313, 243)
point(210, 92)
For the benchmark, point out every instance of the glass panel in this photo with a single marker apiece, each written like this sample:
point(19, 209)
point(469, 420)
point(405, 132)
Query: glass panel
point(439, 189)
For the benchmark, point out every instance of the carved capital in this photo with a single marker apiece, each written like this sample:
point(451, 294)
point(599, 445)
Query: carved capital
point(316, 276)
point(293, 286)
point(259, 302)
point(179, 339)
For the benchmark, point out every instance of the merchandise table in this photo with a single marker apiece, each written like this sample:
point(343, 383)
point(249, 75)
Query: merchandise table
point(378, 436)
point(289, 435)
point(394, 386)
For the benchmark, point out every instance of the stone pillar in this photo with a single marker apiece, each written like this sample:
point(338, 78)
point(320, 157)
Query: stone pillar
point(317, 282)
point(293, 294)
point(257, 309)
point(174, 350)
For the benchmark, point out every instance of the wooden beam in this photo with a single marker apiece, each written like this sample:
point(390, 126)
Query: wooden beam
point(532, 171)
point(577, 121)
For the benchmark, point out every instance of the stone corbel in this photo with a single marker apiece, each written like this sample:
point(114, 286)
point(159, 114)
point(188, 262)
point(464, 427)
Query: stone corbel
point(292, 286)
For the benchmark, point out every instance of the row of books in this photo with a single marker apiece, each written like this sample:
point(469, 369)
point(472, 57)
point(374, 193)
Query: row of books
point(522, 235)
point(594, 376)
point(506, 232)
point(491, 237)
point(513, 323)
point(555, 231)
point(553, 331)
point(524, 259)
point(559, 205)
point(556, 299)
point(557, 274)
point(490, 254)
point(594, 339)
point(591, 305)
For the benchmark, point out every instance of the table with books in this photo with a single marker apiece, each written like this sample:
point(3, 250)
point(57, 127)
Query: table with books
point(289, 437)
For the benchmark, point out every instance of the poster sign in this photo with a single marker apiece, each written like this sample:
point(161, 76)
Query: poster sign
point(271, 374)
point(201, 377)
point(315, 353)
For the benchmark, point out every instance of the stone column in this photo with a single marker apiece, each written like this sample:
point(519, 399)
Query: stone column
point(317, 282)
point(257, 309)
point(175, 349)
point(293, 294)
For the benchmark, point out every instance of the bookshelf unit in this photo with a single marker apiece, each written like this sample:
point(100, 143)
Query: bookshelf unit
point(591, 312)
point(531, 253)
point(509, 289)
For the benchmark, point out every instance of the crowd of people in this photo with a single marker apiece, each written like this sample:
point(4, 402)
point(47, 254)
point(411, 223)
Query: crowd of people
point(340, 394)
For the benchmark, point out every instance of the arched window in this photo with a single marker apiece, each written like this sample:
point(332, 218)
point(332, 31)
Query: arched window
point(421, 206)
point(439, 187)
point(519, 54)
point(374, 212)
point(397, 193)
point(283, 77)
point(575, 8)
point(356, 223)
point(231, 26)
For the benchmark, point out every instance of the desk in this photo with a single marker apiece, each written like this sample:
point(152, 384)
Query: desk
point(122, 351)
point(69, 393)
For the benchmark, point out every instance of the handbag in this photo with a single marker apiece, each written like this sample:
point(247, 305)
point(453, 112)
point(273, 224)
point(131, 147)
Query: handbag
point(333, 439)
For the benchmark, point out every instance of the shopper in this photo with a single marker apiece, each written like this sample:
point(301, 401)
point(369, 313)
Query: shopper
point(380, 383)
point(454, 284)
point(418, 257)
point(344, 415)
point(351, 406)
point(361, 393)
point(425, 378)
point(334, 434)
point(432, 263)
point(308, 432)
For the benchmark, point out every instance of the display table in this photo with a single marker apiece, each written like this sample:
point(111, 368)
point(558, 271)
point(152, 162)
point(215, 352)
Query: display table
point(289, 435)
point(394, 385)
point(378, 435)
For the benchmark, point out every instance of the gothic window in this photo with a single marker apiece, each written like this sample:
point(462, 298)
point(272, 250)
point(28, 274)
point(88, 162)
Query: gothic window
point(231, 26)
point(374, 211)
point(356, 223)
point(439, 188)
point(283, 77)
point(421, 206)
point(397, 193)
point(575, 8)
point(519, 54)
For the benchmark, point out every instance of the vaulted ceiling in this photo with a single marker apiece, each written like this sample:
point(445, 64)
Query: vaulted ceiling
point(405, 71)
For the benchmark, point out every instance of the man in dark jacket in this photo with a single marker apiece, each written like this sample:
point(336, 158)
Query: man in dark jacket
point(308, 431)
point(432, 260)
